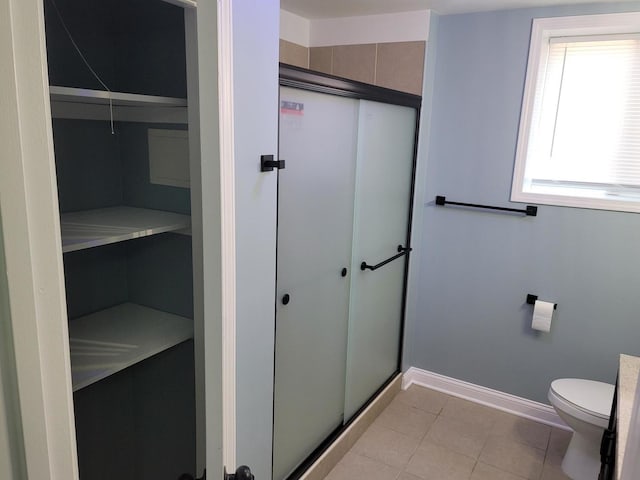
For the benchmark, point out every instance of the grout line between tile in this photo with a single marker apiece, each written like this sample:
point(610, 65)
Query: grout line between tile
point(375, 67)
point(331, 63)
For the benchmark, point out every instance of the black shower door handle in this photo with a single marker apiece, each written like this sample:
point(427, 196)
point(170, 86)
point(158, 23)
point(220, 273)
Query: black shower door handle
point(402, 252)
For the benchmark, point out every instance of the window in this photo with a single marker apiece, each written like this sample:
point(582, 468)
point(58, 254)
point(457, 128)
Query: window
point(579, 140)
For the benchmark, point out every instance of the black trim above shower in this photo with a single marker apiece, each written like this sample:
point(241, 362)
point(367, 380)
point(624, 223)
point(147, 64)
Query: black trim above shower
point(296, 77)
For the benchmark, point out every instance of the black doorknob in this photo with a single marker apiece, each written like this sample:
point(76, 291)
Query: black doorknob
point(244, 473)
point(285, 299)
point(344, 272)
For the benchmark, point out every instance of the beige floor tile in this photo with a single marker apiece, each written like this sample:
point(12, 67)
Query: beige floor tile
point(408, 476)
point(482, 471)
point(454, 433)
point(434, 462)
point(425, 399)
point(469, 411)
point(461, 436)
point(552, 459)
point(553, 472)
point(406, 419)
point(358, 467)
point(558, 443)
point(513, 457)
point(522, 430)
point(386, 445)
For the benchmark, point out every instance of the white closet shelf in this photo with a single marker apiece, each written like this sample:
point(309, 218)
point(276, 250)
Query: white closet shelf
point(111, 340)
point(92, 228)
point(101, 97)
point(84, 104)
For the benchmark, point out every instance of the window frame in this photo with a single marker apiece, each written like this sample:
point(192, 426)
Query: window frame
point(543, 29)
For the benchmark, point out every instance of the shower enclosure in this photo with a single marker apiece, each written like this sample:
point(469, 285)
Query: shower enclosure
point(344, 216)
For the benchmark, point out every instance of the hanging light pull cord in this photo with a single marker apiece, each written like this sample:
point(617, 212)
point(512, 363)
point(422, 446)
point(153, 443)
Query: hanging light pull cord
point(93, 72)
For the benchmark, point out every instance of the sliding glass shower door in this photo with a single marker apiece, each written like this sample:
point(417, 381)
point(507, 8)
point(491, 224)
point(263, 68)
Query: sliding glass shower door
point(318, 136)
point(343, 225)
point(384, 179)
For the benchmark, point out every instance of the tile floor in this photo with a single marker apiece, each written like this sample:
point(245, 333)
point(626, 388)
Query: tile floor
point(427, 435)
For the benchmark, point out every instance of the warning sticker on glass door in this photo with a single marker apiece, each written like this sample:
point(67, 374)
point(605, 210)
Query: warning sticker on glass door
point(291, 108)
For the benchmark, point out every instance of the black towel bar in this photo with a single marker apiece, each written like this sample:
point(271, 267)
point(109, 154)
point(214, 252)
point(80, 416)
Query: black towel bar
point(530, 211)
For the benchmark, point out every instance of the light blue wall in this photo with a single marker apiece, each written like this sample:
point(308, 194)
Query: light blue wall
point(476, 268)
point(255, 103)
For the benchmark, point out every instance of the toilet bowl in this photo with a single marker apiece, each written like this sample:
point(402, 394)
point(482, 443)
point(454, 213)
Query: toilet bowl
point(585, 406)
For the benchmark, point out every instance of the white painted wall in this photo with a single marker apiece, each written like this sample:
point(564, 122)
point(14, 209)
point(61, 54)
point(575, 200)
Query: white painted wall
point(294, 28)
point(322, 32)
point(393, 27)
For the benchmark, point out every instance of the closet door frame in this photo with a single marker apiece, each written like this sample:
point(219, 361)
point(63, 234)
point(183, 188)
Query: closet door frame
point(30, 218)
point(304, 79)
point(30, 222)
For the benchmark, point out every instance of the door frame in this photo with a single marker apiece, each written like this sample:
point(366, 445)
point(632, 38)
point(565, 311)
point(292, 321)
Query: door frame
point(33, 250)
point(222, 111)
point(305, 79)
point(31, 229)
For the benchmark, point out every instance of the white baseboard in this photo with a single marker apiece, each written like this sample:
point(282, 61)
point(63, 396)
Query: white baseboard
point(506, 402)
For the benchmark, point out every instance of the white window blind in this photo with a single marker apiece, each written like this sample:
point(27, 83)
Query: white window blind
point(583, 130)
point(586, 124)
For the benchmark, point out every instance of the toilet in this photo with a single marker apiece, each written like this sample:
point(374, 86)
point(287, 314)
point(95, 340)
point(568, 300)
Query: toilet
point(585, 405)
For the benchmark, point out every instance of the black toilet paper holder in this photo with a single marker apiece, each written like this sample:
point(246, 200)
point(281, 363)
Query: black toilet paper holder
point(531, 300)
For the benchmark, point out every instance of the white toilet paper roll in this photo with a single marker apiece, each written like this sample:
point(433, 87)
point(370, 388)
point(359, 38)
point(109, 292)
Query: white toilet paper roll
point(542, 313)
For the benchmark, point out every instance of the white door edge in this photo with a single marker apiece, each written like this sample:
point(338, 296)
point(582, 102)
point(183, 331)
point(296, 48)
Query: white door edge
point(228, 229)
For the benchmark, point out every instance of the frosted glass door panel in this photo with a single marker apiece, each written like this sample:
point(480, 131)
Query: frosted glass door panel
point(315, 223)
point(383, 193)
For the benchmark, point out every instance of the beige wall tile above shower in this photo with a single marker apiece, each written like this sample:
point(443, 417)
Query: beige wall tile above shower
point(400, 66)
point(320, 59)
point(355, 62)
point(294, 54)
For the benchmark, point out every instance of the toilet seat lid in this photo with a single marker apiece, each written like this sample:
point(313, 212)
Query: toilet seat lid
point(588, 395)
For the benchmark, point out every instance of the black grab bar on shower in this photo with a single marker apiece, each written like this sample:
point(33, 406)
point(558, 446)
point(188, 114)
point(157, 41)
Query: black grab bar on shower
point(530, 211)
point(403, 251)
